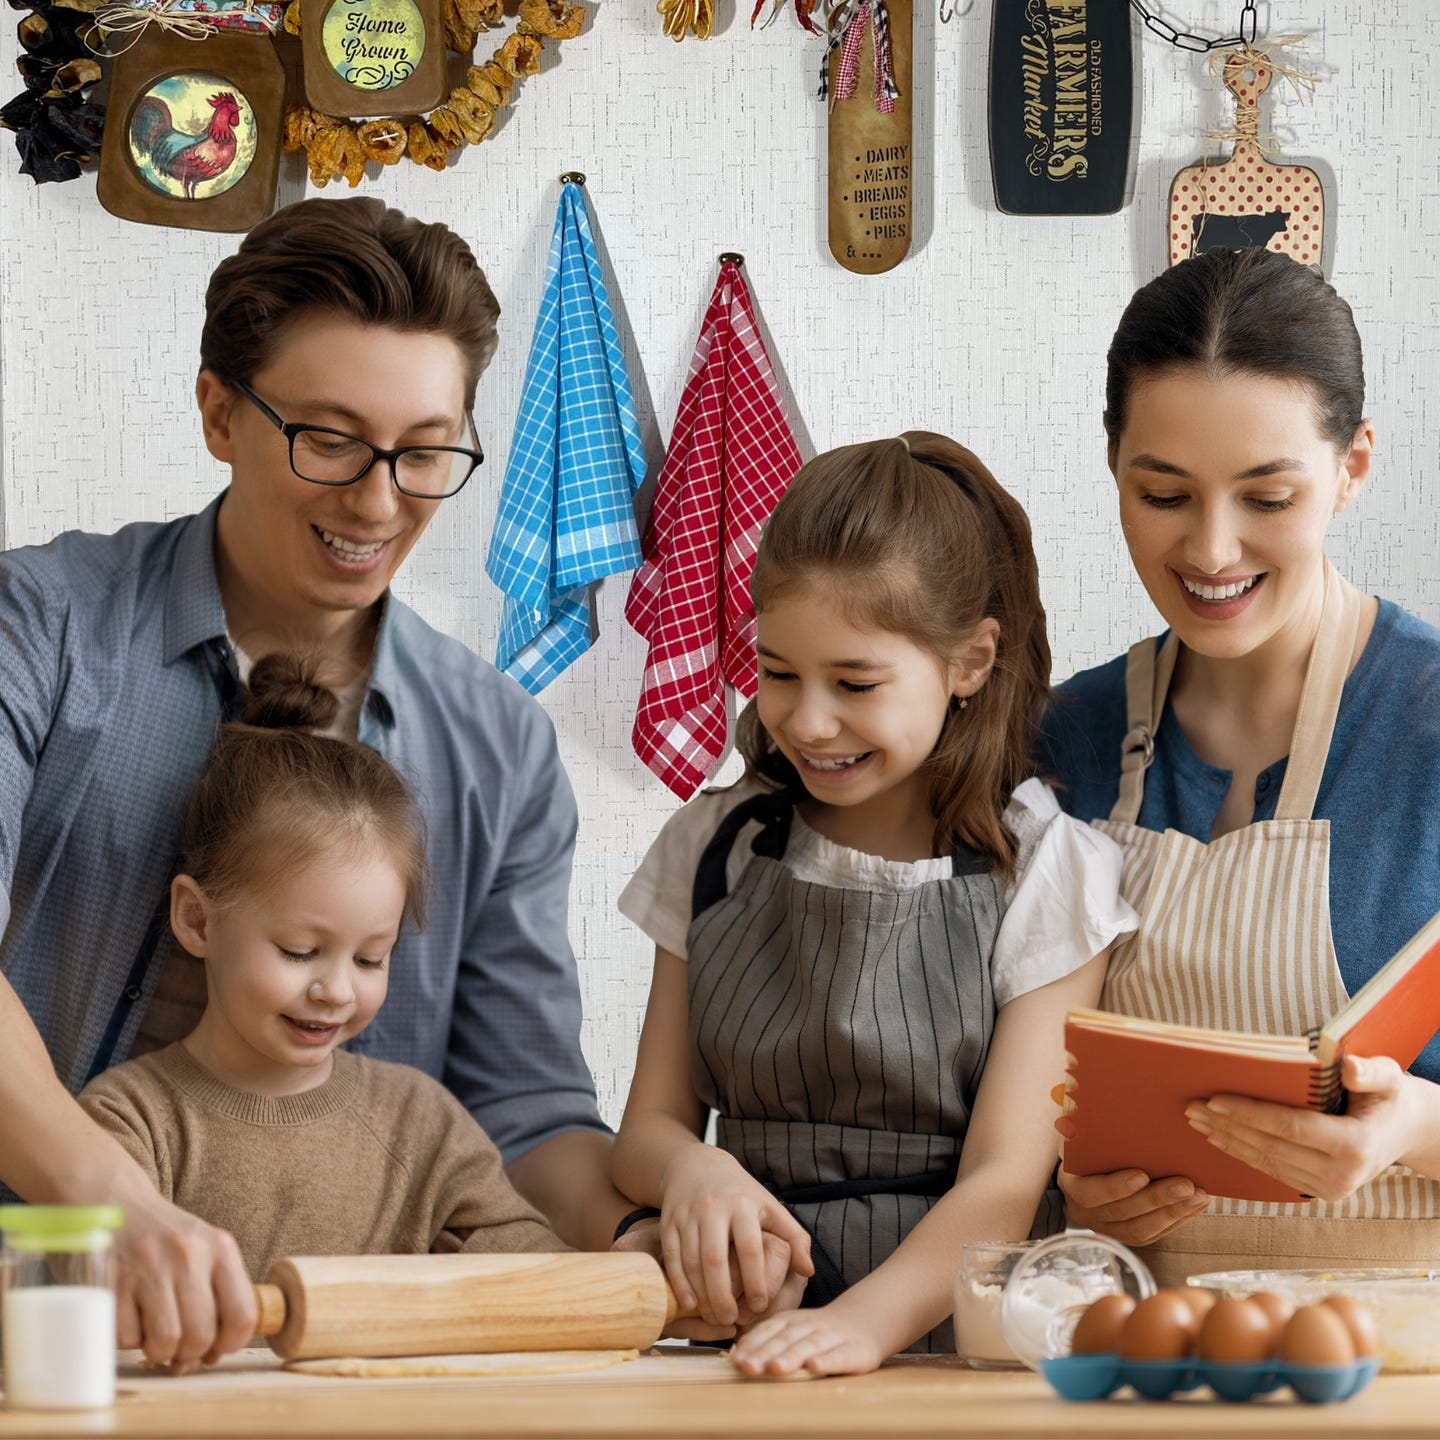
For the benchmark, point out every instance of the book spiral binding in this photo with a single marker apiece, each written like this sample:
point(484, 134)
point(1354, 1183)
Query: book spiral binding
point(1326, 1093)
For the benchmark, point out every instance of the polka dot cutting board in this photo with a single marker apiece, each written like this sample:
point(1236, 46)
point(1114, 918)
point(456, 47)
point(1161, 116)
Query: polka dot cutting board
point(1247, 200)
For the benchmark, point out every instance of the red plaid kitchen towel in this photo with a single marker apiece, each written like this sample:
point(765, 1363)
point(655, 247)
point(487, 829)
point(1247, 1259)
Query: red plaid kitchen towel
point(730, 458)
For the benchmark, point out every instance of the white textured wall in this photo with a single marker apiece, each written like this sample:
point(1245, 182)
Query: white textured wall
point(994, 330)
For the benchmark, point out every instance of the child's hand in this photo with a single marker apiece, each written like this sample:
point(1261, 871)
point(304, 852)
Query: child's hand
point(824, 1342)
point(785, 1285)
point(787, 1290)
point(711, 1205)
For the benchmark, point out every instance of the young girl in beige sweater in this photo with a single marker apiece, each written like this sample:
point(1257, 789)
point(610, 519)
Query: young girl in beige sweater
point(301, 857)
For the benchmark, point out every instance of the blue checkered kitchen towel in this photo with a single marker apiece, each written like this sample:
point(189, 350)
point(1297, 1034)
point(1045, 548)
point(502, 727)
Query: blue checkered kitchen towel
point(576, 460)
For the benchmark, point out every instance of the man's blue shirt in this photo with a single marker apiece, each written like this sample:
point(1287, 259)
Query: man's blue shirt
point(114, 671)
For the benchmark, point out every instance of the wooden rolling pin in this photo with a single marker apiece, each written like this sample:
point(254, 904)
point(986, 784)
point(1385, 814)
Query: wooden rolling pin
point(317, 1306)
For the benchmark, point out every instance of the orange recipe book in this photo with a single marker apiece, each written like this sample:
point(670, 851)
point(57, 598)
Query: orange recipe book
point(1131, 1079)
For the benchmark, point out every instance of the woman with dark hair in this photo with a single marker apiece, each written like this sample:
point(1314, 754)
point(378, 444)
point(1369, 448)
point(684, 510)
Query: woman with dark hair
point(1270, 766)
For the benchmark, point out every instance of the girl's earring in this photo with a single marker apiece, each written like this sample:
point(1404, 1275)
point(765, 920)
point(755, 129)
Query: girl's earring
point(959, 702)
point(964, 701)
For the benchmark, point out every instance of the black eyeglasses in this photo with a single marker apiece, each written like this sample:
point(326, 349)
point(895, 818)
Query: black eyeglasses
point(333, 457)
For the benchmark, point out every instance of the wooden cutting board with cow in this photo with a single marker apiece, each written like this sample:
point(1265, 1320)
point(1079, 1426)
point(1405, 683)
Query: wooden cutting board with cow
point(1248, 200)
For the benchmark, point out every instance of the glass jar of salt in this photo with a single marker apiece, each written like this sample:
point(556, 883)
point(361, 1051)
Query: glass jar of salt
point(57, 1305)
point(1055, 1281)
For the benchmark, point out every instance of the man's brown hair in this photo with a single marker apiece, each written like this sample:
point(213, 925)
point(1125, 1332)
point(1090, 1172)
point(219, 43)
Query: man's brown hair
point(354, 258)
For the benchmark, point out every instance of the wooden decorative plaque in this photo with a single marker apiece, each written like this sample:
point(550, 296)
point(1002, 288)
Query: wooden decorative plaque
point(193, 130)
point(872, 159)
point(1061, 103)
point(373, 57)
point(1247, 201)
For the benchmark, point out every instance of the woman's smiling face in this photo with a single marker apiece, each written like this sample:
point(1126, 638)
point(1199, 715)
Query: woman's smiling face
point(1226, 488)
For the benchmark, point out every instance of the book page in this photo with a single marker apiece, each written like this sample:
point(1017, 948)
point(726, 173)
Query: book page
point(1196, 1036)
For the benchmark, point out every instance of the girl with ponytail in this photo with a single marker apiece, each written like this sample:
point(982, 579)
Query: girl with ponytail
point(301, 856)
point(887, 907)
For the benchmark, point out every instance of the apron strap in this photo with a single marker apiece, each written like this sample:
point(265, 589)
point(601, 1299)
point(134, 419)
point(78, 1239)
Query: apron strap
point(1147, 681)
point(1320, 698)
point(828, 1282)
point(774, 810)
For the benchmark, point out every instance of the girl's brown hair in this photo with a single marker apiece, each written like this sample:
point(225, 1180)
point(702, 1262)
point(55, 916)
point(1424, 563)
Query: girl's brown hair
point(274, 795)
point(915, 536)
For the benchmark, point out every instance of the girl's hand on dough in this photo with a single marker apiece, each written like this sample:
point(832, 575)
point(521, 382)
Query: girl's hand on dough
point(821, 1342)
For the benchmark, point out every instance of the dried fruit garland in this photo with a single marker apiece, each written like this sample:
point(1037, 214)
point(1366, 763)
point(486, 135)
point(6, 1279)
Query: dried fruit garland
point(339, 147)
point(58, 129)
point(696, 17)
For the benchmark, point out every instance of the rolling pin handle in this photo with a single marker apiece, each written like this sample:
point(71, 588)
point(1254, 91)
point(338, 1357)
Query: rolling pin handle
point(270, 1301)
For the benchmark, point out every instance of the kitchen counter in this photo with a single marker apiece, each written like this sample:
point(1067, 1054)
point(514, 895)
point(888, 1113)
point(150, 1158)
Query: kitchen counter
point(682, 1392)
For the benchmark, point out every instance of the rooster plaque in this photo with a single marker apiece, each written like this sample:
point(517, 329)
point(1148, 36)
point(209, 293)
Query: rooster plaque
point(196, 148)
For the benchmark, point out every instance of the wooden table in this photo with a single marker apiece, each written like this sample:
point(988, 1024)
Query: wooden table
point(689, 1393)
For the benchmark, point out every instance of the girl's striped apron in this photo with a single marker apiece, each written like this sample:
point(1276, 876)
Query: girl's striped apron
point(1235, 935)
point(840, 1035)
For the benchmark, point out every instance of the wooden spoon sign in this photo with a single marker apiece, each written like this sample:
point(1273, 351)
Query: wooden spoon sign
point(1061, 105)
point(1247, 201)
point(871, 165)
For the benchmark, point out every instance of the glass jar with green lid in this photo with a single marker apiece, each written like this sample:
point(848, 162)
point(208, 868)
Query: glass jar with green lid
point(57, 1305)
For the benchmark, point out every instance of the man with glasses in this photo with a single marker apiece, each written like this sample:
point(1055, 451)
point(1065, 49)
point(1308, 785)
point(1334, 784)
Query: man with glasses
point(340, 354)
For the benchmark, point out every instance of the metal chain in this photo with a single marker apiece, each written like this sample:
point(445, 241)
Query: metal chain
point(1183, 40)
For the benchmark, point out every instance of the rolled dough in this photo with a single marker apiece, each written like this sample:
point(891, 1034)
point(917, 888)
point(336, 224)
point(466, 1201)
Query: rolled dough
point(514, 1362)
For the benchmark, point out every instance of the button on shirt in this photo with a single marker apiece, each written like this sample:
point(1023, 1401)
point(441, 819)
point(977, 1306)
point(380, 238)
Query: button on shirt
point(114, 671)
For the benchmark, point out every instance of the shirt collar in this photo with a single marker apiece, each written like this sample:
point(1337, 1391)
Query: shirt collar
point(195, 614)
point(193, 611)
point(385, 673)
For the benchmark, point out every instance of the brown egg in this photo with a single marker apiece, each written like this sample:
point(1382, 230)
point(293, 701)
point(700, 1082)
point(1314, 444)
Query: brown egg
point(1235, 1332)
point(1316, 1335)
point(1098, 1330)
point(1359, 1322)
point(1161, 1327)
point(1199, 1301)
point(1278, 1307)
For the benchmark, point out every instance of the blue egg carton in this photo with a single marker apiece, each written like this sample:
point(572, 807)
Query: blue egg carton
point(1096, 1377)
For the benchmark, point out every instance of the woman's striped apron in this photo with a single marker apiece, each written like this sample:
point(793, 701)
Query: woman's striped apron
point(1235, 935)
point(840, 1035)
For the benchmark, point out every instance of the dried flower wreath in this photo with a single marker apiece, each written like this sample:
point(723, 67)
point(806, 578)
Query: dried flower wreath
point(339, 147)
point(57, 128)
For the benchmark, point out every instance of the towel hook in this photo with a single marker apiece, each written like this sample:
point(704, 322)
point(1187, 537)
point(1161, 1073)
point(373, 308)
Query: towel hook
point(731, 257)
point(572, 177)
